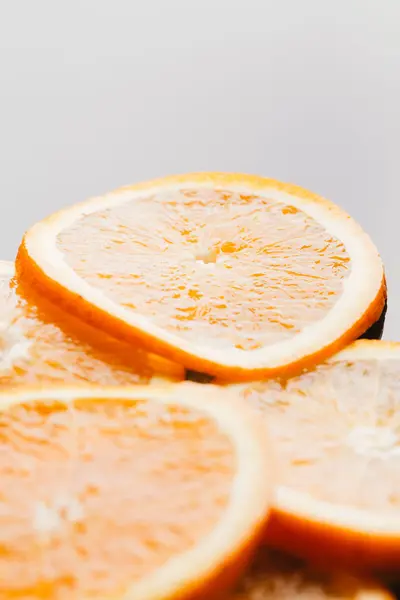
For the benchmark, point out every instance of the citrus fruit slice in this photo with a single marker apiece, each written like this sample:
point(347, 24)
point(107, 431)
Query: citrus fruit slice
point(41, 344)
point(140, 493)
point(275, 576)
point(336, 431)
point(231, 275)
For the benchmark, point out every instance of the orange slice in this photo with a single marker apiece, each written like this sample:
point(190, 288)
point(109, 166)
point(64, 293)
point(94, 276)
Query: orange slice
point(231, 275)
point(140, 493)
point(41, 344)
point(275, 576)
point(336, 433)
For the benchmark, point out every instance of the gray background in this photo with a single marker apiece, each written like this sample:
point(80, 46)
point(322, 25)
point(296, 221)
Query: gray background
point(99, 93)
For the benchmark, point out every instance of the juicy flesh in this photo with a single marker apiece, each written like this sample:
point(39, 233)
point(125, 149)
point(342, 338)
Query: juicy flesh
point(211, 265)
point(39, 343)
point(97, 495)
point(337, 431)
point(274, 576)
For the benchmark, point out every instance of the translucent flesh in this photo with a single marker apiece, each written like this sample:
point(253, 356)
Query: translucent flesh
point(39, 343)
point(275, 576)
point(214, 266)
point(99, 494)
point(337, 432)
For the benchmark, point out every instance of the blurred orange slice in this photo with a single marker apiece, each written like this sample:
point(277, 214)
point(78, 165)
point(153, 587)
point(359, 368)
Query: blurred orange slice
point(233, 275)
point(41, 344)
point(336, 434)
point(133, 492)
point(275, 576)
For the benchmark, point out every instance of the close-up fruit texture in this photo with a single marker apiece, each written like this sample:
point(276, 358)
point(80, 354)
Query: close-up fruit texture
point(273, 474)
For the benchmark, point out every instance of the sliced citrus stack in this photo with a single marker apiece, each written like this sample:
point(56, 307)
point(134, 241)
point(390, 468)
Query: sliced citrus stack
point(231, 275)
point(275, 576)
point(336, 431)
point(140, 493)
point(41, 344)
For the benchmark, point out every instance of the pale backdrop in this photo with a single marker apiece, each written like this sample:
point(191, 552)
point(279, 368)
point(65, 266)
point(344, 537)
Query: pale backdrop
point(99, 93)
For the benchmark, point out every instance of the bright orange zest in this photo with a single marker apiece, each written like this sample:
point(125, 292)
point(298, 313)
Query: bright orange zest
point(232, 275)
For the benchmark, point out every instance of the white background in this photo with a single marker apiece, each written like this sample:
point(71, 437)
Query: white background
point(100, 93)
